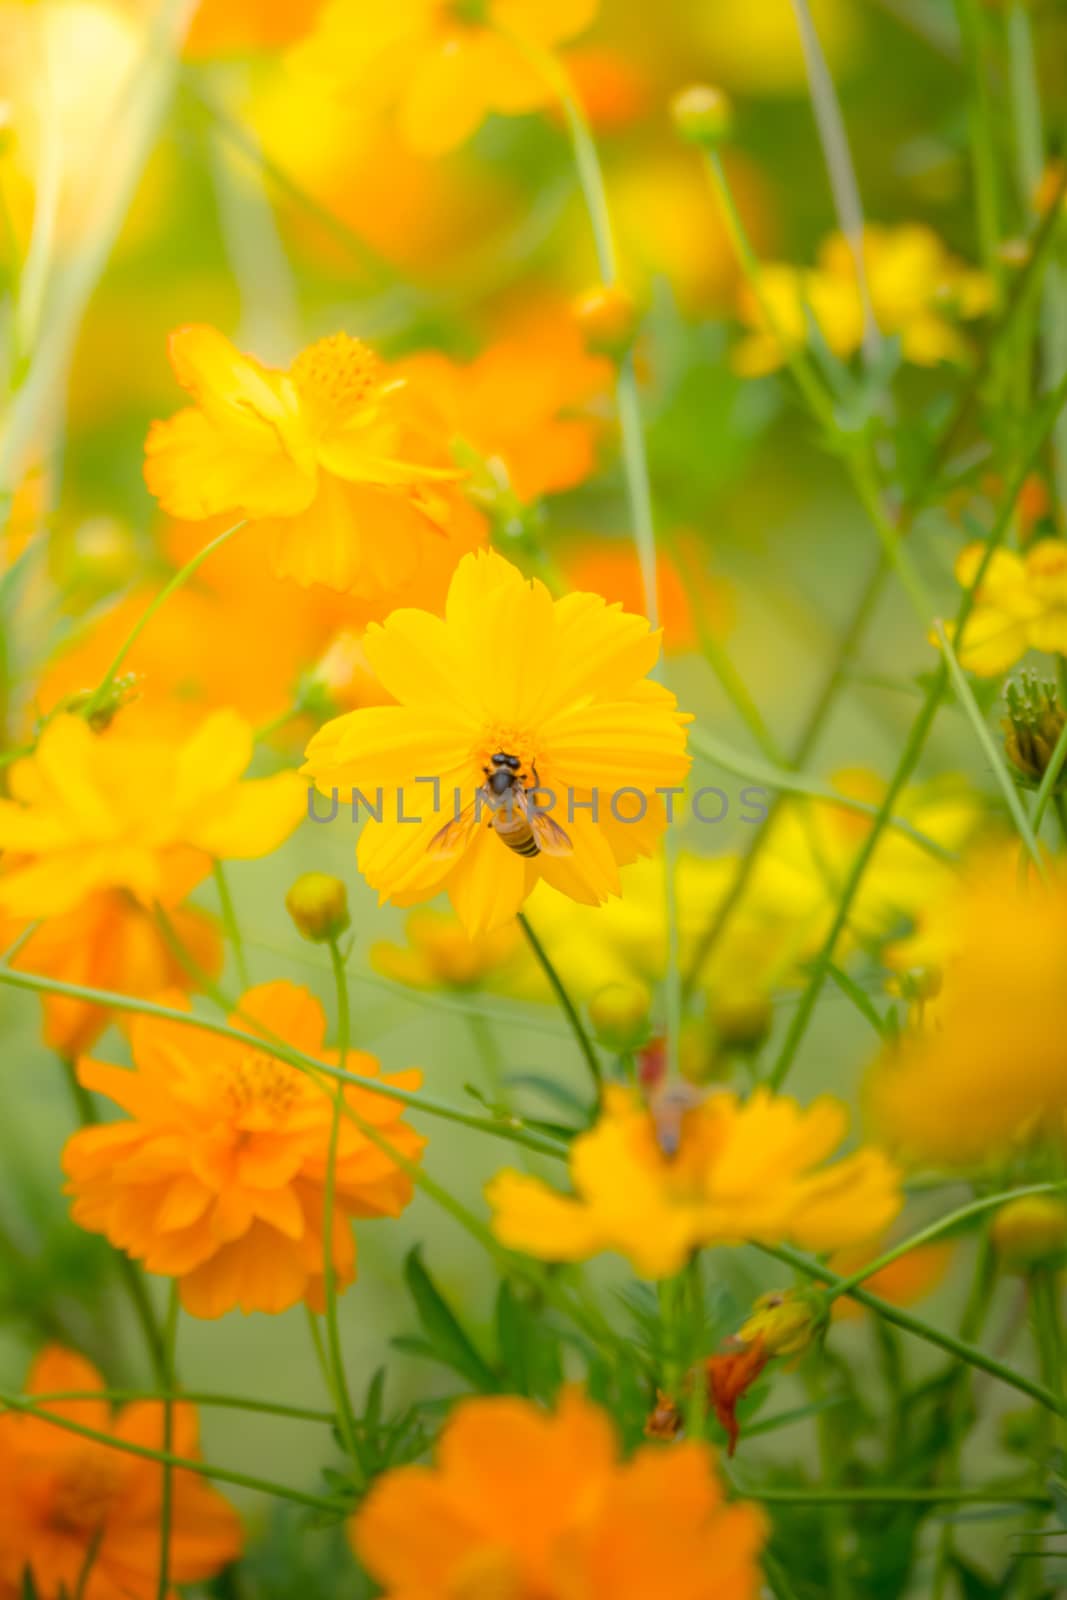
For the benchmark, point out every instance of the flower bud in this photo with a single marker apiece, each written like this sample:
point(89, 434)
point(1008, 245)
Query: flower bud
point(101, 558)
point(105, 706)
point(1030, 1232)
point(619, 1013)
point(784, 1322)
point(741, 1020)
point(1032, 728)
point(702, 115)
point(607, 316)
point(318, 904)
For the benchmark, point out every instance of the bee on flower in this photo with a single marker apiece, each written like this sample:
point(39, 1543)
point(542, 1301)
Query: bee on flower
point(732, 1171)
point(443, 66)
point(510, 695)
point(217, 1174)
point(332, 461)
point(524, 1502)
point(85, 1515)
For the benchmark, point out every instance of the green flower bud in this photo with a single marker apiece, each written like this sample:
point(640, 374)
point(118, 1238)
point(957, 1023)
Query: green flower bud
point(702, 115)
point(318, 904)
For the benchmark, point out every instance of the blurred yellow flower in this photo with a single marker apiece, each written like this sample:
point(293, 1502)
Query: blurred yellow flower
point(113, 810)
point(561, 688)
point(444, 64)
point(73, 1509)
point(743, 1170)
point(757, 49)
point(919, 293)
point(987, 1074)
point(1020, 605)
point(439, 954)
point(328, 460)
point(217, 1175)
point(521, 1503)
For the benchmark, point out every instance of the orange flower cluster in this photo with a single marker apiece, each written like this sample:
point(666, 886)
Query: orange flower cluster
point(217, 1175)
point(82, 1515)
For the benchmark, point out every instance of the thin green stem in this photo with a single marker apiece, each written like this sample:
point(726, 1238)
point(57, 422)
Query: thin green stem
point(983, 136)
point(28, 1406)
point(566, 1004)
point(511, 1129)
point(916, 740)
point(1050, 777)
point(839, 165)
point(230, 922)
point(937, 1230)
point(166, 1509)
point(180, 578)
point(985, 739)
point(233, 1402)
point(959, 1348)
point(128, 1270)
point(890, 1495)
point(346, 1418)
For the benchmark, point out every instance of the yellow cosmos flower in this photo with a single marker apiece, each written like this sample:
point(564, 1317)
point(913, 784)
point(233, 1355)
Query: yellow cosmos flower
point(919, 293)
point(521, 1503)
point(561, 688)
point(330, 460)
point(1020, 605)
point(444, 64)
point(217, 1175)
point(124, 811)
point(988, 1074)
point(439, 954)
point(742, 1170)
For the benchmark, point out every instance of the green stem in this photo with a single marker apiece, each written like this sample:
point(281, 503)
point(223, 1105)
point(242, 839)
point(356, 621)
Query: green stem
point(1050, 778)
point(566, 1004)
point(892, 1496)
point(27, 1406)
point(983, 136)
point(166, 1510)
point(230, 922)
point(969, 1353)
point(346, 1418)
point(916, 741)
point(511, 1130)
point(989, 750)
point(176, 582)
point(128, 1270)
point(936, 1230)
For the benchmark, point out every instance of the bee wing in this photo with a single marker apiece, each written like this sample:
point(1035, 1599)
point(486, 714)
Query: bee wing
point(458, 833)
point(550, 837)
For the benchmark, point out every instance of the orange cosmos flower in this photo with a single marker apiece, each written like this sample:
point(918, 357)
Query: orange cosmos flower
point(521, 1503)
point(217, 1176)
point(114, 810)
point(444, 64)
point(687, 592)
point(328, 459)
point(82, 1517)
point(561, 688)
point(109, 942)
point(524, 402)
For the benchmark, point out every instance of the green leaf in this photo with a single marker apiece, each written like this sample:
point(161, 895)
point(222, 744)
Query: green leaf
point(448, 1340)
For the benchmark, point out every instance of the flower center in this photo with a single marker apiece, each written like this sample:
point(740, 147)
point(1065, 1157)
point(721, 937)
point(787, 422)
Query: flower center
point(338, 379)
point(84, 1495)
point(508, 741)
point(259, 1082)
